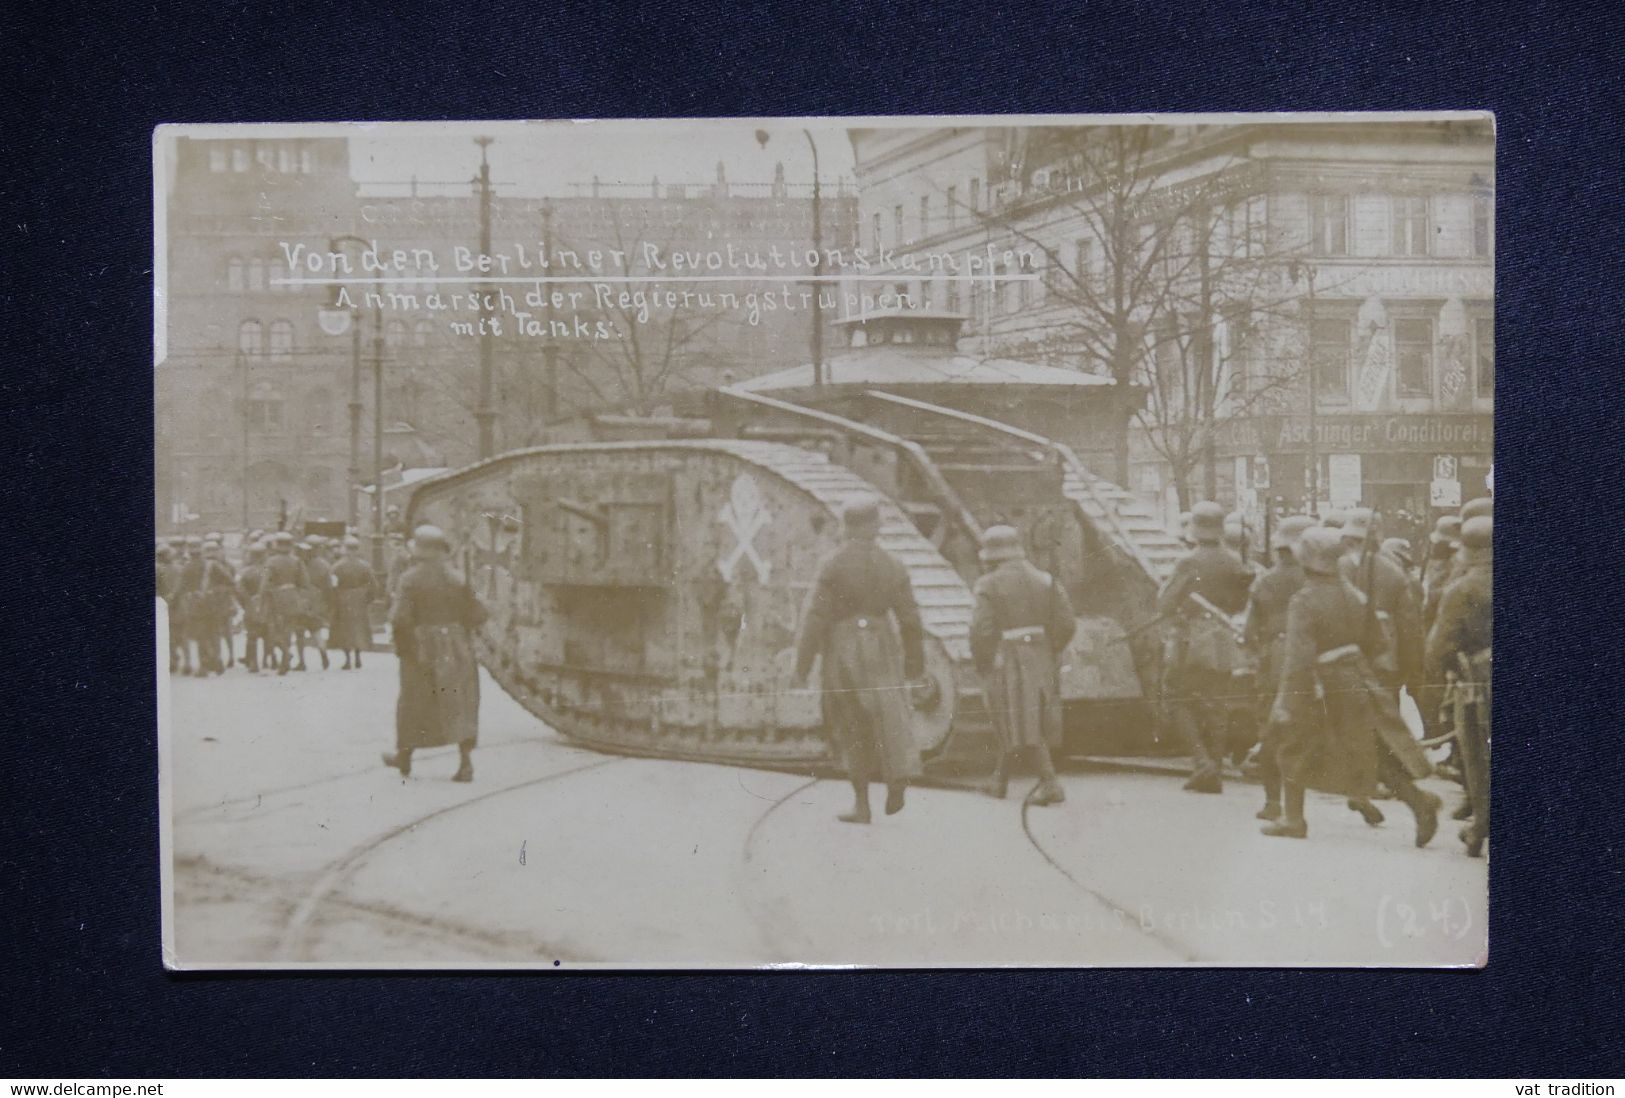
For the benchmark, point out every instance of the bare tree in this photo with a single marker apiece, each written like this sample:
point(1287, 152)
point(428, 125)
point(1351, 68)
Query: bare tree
point(1163, 242)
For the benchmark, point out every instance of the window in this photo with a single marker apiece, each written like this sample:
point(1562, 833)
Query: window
point(1329, 356)
point(319, 410)
point(897, 223)
point(975, 195)
point(1413, 356)
point(1083, 258)
point(1329, 224)
point(264, 410)
point(1484, 352)
point(250, 338)
point(420, 332)
point(1024, 289)
point(1410, 225)
point(239, 158)
point(234, 275)
point(307, 159)
point(265, 157)
point(925, 216)
point(219, 158)
point(877, 231)
point(395, 333)
point(1483, 226)
point(953, 206)
point(281, 338)
point(975, 304)
point(256, 275)
point(286, 161)
point(953, 292)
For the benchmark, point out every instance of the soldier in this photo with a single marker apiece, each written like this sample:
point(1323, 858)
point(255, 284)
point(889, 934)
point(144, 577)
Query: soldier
point(862, 621)
point(1264, 638)
point(313, 603)
point(1394, 655)
point(1185, 537)
point(1398, 550)
point(216, 600)
point(435, 613)
point(396, 561)
point(284, 579)
point(1203, 647)
point(1023, 621)
point(1442, 545)
point(354, 587)
point(1458, 649)
point(188, 622)
point(1322, 719)
point(250, 581)
point(1236, 540)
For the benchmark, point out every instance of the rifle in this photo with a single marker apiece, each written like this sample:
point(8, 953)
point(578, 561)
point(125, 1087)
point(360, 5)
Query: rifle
point(1203, 604)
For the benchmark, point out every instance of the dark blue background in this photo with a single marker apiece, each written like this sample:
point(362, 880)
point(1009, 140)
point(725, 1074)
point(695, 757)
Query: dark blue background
point(84, 991)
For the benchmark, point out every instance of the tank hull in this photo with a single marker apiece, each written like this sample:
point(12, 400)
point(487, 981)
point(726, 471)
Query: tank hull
point(645, 596)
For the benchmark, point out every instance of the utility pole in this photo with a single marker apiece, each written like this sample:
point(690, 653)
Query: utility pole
point(550, 349)
point(355, 418)
point(485, 413)
point(818, 270)
point(1308, 271)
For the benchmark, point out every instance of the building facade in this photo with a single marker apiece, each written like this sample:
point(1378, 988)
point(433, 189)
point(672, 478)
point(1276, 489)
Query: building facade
point(1244, 270)
point(260, 380)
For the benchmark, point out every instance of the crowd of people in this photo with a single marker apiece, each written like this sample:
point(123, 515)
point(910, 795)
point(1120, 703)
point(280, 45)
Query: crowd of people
point(288, 595)
point(284, 595)
point(1297, 666)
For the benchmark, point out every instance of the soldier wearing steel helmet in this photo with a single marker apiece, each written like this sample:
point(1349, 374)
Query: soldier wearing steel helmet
point(1022, 622)
point(1264, 638)
point(250, 581)
point(354, 587)
point(1203, 652)
point(1458, 651)
point(285, 578)
point(862, 622)
point(435, 615)
point(1442, 545)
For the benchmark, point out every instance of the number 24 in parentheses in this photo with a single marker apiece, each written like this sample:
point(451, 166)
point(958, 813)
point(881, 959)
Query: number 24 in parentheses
point(1451, 917)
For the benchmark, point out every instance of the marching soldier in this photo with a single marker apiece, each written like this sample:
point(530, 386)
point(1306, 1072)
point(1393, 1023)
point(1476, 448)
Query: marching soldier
point(1023, 621)
point(1203, 647)
point(187, 621)
point(1322, 720)
point(435, 613)
point(354, 586)
point(1442, 545)
point(1458, 649)
point(314, 599)
point(216, 600)
point(284, 579)
point(862, 620)
point(1395, 660)
point(1264, 638)
point(250, 581)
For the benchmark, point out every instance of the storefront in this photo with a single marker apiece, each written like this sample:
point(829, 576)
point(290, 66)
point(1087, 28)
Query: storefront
point(1416, 465)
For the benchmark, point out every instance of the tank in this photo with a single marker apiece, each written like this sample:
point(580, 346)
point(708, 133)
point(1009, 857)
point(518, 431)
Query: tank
point(646, 586)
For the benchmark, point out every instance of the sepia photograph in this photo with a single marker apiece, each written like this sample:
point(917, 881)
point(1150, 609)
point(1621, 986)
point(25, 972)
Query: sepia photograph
point(896, 542)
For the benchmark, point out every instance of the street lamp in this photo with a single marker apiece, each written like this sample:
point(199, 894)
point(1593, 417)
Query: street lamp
point(334, 321)
point(818, 258)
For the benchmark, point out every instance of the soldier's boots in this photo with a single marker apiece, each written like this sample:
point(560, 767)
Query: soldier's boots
point(1472, 836)
point(1426, 807)
point(465, 767)
point(998, 786)
point(1369, 812)
point(1292, 824)
point(1206, 779)
point(1049, 792)
point(860, 805)
point(1464, 810)
point(1270, 811)
point(894, 797)
point(401, 760)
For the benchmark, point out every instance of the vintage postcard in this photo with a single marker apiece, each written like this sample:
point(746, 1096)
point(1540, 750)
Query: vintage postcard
point(897, 542)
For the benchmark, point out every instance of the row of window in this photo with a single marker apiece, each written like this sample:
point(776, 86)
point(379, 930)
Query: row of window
point(1331, 341)
point(287, 157)
point(1332, 223)
point(265, 408)
point(254, 275)
point(251, 336)
point(1411, 230)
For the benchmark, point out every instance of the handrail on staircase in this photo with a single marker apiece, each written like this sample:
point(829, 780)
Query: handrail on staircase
point(911, 451)
point(1068, 458)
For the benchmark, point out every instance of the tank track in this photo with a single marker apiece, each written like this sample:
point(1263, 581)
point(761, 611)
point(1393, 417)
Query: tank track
point(946, 603)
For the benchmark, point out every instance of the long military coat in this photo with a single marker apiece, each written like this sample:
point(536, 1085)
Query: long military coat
point(435, 611)
point(861, 618)
point(1023, 620)
point(354, 586)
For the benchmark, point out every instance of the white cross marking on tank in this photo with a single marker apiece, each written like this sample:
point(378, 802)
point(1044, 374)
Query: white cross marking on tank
point(746, 515)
